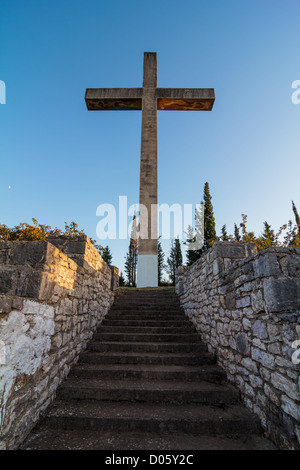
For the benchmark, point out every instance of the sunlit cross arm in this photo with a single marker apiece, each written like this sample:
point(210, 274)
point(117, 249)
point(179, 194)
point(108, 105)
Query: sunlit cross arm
point(185, 99)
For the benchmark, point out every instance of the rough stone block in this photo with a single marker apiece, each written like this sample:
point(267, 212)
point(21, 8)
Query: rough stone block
point(257, 301)
point(230, 250)
point(282, 294)
point(6, 279)
point(31, 285)
point(242, 343)
point(290, 407)
point(250, 249)
point(217, 266)
point(243, 302)
point(286, 385)
point(274, 331)
point(76, 247)
point(230, 301)
point(256, 355)
point(249, 365)
point(28, 252)
point(259, 330)
point(5, 304)
point(293, 266)
point(4, 256)
point(266, 265)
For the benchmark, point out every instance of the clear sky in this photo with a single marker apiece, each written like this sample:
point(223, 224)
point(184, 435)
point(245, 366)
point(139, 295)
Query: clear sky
point(59, 162)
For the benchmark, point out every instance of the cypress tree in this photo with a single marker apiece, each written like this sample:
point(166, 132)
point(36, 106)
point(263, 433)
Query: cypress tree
point(191, 255)
point(106, 255)
point(131, 256)
point(121, 280)
point(174, 260)
point(160, 260)
point(296, 237)
point(194, 240)
point(224, 233)
point(268, 236)
point(131, 263)
point(178, 253)
point(237, 235)
point(297, 217)
point(209, 221)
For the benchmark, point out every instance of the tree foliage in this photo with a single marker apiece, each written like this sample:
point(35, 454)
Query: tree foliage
point(225, 237)
point(237, 235)
point(106, 255)
point(36, 231)
point(288, 235)
point(131, 263)
point(160, 261)
point(297, 218)
point(210, 235)
point(174, 260)
point(40, 232)
point(191, 254)
point(25, 231)
point(205, 229)
point(121, 280)
point(131, 256)
point(72, 229)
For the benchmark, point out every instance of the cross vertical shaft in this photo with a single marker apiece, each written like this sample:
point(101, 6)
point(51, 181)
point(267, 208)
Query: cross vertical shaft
point(147, 247)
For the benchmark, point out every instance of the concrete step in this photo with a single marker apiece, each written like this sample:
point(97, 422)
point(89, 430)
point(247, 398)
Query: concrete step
point(146, 347)
point(116, 322)
point(136, 307)
point(144, 291)
point(149, 300)
point(142, 295)
point(151, 417)
point(131, 357)
point(46, 438)
point(171, 309)
point(209, 373)
point(137, 316)
point(151, 306)
point(147, 337)
point(162, 391)
point(157, 330)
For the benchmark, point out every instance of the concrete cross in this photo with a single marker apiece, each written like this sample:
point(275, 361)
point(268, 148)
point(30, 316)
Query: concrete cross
point(149, 99)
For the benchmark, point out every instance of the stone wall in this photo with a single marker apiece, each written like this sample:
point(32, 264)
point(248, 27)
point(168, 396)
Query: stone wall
point(52, 298)
point(246, 306)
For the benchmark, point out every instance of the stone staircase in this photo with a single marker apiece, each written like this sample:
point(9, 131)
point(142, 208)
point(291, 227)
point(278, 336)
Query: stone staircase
point(146, 381)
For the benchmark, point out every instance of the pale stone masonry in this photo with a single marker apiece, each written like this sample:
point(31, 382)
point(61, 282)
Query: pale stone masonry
point(51, 302)
point(149, 99)
point(246, 307)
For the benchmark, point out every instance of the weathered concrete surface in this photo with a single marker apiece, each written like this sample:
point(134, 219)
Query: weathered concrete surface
point(148, 164)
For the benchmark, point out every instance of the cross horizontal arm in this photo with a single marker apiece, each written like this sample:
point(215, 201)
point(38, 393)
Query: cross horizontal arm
point(185, 99)
point(127, 99)
point(113, 99)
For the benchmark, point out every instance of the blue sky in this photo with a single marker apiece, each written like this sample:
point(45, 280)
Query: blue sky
point(59, 161)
